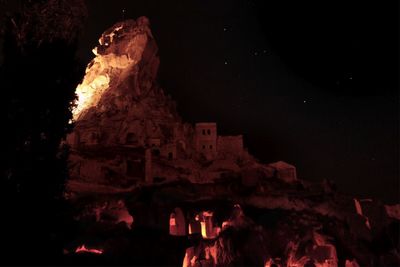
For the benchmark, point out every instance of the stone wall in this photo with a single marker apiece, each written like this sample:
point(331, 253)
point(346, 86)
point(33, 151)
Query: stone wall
point(230, 145)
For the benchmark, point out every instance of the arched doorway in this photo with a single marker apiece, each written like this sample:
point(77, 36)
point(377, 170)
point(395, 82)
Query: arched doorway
point(177, 223)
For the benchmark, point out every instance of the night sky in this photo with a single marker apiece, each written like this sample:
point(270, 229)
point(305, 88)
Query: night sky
point(312, 84)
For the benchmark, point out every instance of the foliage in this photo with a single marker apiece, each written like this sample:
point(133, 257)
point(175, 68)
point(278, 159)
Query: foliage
point(38, 79)
point(46, 21)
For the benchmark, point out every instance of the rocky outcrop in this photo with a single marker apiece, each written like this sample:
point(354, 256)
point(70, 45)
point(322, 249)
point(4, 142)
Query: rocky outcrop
point(228, 224)
point(128, 132)
point(139, 167)
point(121, 111)
point(119, 99)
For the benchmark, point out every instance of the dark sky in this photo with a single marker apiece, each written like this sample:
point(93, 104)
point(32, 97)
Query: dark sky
point(313, 84)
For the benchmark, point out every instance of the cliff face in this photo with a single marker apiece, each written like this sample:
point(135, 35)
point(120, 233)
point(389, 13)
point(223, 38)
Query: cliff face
point(121, 110)
point(128, 131)
point(119, 98)
point(144, 167)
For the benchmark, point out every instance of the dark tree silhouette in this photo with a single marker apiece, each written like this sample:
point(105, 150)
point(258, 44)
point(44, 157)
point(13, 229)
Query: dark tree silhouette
point(39, 75)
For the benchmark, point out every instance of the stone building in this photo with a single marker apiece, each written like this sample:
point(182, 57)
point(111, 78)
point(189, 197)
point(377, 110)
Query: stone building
point(212, 146)
point(206, 139)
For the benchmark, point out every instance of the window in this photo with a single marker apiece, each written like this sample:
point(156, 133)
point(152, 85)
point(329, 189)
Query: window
point(204, 146)
point(209, 132)
point(210, 146)
point(204, 132)
point(131, 138)
point(156, 152)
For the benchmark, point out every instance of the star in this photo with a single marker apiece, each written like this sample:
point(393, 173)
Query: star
point(123, 13)
point(225, 29)
point(256, 53)
point(226, 62)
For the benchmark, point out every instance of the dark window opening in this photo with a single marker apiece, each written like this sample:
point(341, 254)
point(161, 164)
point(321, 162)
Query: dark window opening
point(156, 152)
point(209, 132)
point(131, 138)
point(204, 147)
point(134, 168)
point(204, 132)
point(210, 146)
point(159, 179)
point(170, 155)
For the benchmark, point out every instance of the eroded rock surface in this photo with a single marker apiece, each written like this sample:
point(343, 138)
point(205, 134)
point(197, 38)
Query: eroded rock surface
point(147, 184)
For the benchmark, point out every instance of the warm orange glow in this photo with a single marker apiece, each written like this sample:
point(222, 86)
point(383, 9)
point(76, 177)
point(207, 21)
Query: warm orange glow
point(91, 250)
point(109, 66)
point(208, 231)
point(203, 229)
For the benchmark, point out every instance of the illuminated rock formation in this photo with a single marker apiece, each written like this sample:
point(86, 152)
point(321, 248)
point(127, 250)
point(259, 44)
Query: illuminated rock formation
point(130, 144)
point(127, 130)
point(119, 98)
point(120, 51)
point(121, 112)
